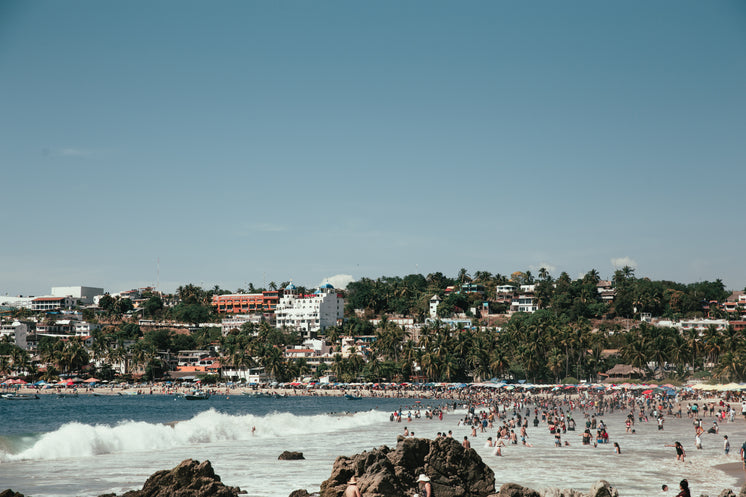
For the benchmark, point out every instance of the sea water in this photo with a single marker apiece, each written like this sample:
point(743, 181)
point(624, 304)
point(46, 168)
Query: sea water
point(87, 446)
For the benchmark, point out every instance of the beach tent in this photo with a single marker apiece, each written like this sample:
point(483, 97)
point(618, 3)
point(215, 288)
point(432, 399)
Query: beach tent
point(14, 381)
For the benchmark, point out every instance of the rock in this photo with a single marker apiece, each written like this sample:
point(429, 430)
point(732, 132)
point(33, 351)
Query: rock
point(563, 492)
point(290, 456)
point(516, 490)
point(189, 479)
point(299, 493)
point(602, 488)
point(383, 472)
point(9, 493)
point(727, 493)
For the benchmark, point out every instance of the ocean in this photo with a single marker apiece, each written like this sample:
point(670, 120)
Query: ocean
point(91, 445)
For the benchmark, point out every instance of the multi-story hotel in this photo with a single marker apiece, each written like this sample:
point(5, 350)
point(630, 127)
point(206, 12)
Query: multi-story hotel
point(309, 313)
point(244, 303)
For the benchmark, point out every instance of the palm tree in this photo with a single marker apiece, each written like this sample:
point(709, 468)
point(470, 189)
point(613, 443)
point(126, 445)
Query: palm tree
point(554, 362)
point(463, 276)
point(274, 363)
point(731, 366)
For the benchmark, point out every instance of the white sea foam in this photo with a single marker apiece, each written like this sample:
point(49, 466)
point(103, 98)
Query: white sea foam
point(250, 462)
point(84, 440)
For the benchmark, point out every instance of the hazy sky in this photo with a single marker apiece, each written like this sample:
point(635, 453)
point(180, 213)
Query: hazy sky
point(252, 141)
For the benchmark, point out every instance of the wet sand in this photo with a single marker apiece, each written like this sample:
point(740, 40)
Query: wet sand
point(734, 469)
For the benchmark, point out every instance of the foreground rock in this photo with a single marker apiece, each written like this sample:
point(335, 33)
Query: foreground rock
point(601, 488)
point(290, 456)
point(383, 472)
point(10, 493)
point(188, 479)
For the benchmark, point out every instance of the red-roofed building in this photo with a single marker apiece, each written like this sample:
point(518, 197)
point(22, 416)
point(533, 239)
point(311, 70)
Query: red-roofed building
point(244, 303)
point(52, 303)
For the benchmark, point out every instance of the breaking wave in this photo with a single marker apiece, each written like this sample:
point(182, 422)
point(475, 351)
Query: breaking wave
point(85, 440)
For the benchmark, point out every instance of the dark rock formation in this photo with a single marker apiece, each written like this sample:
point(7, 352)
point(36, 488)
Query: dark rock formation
point(299, 493)
point(515, 490)
point(290, 456)
point(383, 472)
point(601, 488)
point(10, 493)
point(189, 479)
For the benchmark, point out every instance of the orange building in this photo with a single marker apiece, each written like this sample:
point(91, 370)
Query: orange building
point(244, 303)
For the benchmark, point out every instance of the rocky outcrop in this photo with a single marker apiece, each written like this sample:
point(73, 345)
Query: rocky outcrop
point(384, 472)
point(10, 493)
point(188, 479)
point(300, 493)
point(601, 488)
point(290, 456)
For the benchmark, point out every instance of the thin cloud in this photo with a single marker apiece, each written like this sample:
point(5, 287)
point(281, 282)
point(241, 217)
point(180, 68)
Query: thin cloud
point(619, 262)
point(68, 152)
point(269, 227)
point(549, 267)
point(75, 152)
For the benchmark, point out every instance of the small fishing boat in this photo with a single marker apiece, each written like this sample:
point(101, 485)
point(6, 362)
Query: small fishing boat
point(197, 396)
point(352, 397)
point(20, 396)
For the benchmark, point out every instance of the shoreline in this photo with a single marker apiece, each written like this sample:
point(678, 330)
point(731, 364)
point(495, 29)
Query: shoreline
point(733, 469)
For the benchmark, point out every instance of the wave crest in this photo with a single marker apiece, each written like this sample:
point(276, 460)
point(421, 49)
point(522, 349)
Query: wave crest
point(85, 440)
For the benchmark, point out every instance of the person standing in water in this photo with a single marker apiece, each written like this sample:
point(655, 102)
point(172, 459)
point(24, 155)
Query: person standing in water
point(680, 453)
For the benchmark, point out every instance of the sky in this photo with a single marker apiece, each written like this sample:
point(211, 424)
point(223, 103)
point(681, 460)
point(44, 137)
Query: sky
point(222, 143)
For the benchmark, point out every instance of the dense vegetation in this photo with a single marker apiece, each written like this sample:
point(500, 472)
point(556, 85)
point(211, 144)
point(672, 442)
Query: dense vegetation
point(576, 335)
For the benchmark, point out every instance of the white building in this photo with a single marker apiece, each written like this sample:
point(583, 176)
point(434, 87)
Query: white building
point(84, 328)
point(235, 322)
point(701, 325)
point(84, 294)
point(434, 302)
point(17, 331)
point(309, 313)
point(524, 303)
point(52, 303)
point(16, 302)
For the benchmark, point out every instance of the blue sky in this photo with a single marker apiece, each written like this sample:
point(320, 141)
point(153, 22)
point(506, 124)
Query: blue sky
point(247, 141)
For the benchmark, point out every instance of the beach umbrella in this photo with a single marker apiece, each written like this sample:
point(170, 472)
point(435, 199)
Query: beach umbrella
point(647, 392)
point(91, 380)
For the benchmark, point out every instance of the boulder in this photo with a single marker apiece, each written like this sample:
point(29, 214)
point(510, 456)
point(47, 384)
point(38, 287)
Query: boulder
point(384, 472)
point(189, 479)
point(516, 490)
point(290, 456)
point(299, 493)
point(561, 492)
point(9, 493)
point(602, 488)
